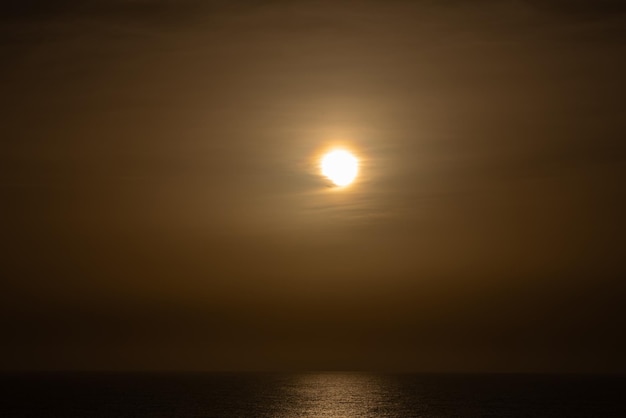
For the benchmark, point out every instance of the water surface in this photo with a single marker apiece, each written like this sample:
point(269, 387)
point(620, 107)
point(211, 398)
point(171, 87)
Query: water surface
point(310, 395)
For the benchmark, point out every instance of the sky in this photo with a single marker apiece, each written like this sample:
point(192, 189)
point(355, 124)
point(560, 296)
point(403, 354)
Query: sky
point(162, 208)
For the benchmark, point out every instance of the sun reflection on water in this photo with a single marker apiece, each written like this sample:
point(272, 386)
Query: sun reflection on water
point(334, 395)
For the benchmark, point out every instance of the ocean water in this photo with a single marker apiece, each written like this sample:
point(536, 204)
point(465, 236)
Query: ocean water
point(310, 395)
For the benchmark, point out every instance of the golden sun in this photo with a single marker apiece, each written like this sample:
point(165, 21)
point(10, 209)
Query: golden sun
point(340, 166)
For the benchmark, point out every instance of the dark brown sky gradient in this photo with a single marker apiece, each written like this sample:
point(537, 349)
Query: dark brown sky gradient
point(161, 207)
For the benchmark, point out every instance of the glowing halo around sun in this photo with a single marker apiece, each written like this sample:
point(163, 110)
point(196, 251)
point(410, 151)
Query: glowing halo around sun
point(340, 167)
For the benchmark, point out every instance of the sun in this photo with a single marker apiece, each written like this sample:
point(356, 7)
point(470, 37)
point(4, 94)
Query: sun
point(340, 166)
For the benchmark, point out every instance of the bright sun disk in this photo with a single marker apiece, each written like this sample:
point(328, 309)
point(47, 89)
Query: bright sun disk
point(340, 166)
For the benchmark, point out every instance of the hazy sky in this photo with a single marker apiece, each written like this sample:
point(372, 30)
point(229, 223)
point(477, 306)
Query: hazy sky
point(161, 205)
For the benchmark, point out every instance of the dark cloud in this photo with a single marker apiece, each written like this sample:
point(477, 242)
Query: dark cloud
point(581, 8)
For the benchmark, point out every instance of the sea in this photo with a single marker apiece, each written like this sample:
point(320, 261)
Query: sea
point(335, 395)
